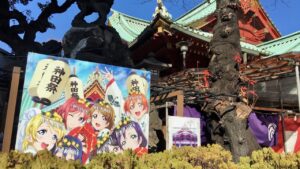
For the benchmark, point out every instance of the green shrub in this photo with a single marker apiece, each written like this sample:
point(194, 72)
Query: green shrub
point(42, 160)
point(268, 159)
point(210, 157)
point(126, 160)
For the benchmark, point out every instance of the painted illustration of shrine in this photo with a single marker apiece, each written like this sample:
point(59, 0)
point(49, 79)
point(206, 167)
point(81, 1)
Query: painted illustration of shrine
point(184, 137)
point(93, 89)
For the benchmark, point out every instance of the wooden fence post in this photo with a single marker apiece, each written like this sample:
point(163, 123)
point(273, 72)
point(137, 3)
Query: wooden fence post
point(11, 108)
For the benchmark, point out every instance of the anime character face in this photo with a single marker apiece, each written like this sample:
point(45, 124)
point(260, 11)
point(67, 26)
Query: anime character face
point(130, 136)
point(75, 119)
point(130, 139)
point(102, 116)
point(137, 109)
point(46, 137)
point(43, 131)
point(68, 154)
point(69, 148)
point(136, 105)
point(99, 121)
point(74, 112)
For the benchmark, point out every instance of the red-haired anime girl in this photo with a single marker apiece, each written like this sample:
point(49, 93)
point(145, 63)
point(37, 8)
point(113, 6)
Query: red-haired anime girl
point(75, 112)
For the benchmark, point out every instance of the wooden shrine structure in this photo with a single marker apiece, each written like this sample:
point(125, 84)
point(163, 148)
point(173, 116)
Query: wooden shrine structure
point(157, 46)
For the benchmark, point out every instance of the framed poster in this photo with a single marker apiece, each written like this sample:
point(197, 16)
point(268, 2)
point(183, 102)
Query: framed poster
point(78, 109)
point(183, 131)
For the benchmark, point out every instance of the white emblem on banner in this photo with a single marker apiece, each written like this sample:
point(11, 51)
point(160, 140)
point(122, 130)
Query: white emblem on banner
point(271, 131)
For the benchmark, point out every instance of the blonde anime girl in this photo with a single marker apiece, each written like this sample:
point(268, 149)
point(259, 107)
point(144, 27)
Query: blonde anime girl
point(43, 131)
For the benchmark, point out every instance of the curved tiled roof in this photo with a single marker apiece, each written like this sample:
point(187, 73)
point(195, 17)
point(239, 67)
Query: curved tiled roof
point(207, 8)
point(203, 9)
point(286, 44)
point(127, 26)
point(130, 27)
point(246, 47)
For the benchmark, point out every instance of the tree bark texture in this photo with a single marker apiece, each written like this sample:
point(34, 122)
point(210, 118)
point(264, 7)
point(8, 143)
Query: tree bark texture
point(229, 114)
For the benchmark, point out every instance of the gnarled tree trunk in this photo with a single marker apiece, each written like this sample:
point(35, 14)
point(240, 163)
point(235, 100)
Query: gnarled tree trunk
point(229, 125)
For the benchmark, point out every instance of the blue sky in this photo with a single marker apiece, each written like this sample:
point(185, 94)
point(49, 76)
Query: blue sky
point(284, 14)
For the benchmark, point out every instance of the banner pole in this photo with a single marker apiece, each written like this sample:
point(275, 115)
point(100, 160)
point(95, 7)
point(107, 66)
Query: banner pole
point(283, 129)
point(298, 84)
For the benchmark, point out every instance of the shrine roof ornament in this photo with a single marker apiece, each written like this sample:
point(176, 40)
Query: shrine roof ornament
point(162, 10)
point(95, 76)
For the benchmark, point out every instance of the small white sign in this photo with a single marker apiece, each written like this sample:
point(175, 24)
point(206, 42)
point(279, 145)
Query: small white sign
point(183, 131)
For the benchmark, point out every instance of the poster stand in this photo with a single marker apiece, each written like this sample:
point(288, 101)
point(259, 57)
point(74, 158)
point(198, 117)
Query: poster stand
point(11, 108)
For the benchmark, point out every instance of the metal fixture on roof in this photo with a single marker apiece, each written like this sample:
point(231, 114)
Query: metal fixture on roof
point(161, 10)
point(184, 47)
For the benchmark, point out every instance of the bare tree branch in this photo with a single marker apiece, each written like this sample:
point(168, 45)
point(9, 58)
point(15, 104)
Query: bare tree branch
point(21, 46)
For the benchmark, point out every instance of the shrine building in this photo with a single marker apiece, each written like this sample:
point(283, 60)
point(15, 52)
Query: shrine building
point(168, 46)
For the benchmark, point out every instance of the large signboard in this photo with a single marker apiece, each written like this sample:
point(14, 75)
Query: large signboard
point(183, 131)
point(77, 109)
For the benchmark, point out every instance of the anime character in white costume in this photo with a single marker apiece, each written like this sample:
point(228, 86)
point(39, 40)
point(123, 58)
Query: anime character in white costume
point(113, 96)
point(135, 105)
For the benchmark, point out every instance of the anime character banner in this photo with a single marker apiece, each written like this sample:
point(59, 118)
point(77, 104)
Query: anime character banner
point(78, 109)
point(183, 131)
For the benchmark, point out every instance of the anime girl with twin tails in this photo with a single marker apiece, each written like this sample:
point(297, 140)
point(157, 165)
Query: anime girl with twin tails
point(130, 136)
point(42, 132)
point(127, 135)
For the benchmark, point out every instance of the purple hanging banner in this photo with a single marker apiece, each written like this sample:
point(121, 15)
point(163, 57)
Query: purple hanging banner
point(265, 128)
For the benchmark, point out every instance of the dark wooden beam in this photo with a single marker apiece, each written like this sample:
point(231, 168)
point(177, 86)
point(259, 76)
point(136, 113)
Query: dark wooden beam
point(11, 109)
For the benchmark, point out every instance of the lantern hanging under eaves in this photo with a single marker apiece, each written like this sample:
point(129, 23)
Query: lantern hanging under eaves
point(37, 76)
point(74, 87)
point(53, 82)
